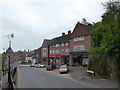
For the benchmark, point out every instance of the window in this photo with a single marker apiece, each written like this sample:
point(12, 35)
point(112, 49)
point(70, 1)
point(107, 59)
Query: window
point(62, 50)
point(75, 39)
point(44, 48)
point(66, 43)
point(81, 38)
point(50, 51)
point(44, 53)
point(57, 51)
point(82, 47)
point(76, 48)
point(57, 45)
point(67, 50)
point(53, 51)
point(62, 44)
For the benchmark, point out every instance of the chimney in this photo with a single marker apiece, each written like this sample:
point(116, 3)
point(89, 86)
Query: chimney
point(28, 50)
point(69, 32)
point(89, 24)
point(63, 34)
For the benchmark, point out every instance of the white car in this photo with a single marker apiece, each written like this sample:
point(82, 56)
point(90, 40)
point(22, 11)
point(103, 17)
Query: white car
point(40, 66)
point(32, 65)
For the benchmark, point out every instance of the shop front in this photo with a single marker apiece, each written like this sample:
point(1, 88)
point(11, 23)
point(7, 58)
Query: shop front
point(55, 59)
point(79, 58)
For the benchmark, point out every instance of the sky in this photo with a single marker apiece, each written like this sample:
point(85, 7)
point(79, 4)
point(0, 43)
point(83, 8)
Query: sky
point(32, 21)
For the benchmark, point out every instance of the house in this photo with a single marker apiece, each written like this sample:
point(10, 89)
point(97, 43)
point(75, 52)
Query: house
point(44, 51)
point(28, 58)
point(39, 55)
point(80, 43)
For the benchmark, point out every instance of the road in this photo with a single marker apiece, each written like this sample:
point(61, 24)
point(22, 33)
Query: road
point(29, 77)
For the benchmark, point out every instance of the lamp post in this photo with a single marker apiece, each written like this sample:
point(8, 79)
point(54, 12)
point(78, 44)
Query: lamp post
point(9, 53)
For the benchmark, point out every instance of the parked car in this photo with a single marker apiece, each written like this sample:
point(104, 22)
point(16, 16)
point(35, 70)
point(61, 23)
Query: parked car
point(40, 66)
point(49, 67)
point(32, 65)
point(64, 69)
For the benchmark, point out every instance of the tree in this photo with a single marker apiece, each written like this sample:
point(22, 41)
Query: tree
point(106, 39)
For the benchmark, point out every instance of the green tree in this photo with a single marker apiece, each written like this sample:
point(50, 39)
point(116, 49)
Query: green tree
point(106, 39)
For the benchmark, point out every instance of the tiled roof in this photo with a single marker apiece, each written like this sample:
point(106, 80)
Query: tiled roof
point(46, 42)
point(60, 39)
point(81, 30)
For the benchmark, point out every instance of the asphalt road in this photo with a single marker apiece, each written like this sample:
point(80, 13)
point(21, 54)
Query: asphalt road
point(29, 77)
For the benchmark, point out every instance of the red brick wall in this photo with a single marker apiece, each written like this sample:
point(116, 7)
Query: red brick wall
point(46, 50)
point(86, 42)
point(61, 47)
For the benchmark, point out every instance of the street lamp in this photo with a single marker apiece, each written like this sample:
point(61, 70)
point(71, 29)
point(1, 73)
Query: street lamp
point(9, 53)
point(10, 36)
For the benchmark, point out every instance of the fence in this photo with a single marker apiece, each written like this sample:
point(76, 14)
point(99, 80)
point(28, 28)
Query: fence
point(12, 83)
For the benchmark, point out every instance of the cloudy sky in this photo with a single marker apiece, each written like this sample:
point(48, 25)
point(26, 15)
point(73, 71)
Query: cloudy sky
point(32, 21)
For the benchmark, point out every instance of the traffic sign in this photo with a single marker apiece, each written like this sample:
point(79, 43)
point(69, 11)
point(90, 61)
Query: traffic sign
point(9, 52)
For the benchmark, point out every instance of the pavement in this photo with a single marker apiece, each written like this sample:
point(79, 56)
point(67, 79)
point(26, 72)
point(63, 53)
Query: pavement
point(5, 81)
point(79, 73)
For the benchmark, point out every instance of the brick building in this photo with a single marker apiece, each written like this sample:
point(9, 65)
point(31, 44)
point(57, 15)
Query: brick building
point(59, 49)
point(44, 51)
point(80, 43)
point(71, 48)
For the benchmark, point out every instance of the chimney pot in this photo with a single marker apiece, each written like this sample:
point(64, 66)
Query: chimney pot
point(69, 32)
point(63, 34)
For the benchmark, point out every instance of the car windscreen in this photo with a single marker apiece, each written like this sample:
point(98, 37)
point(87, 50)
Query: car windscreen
point(62, 67)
